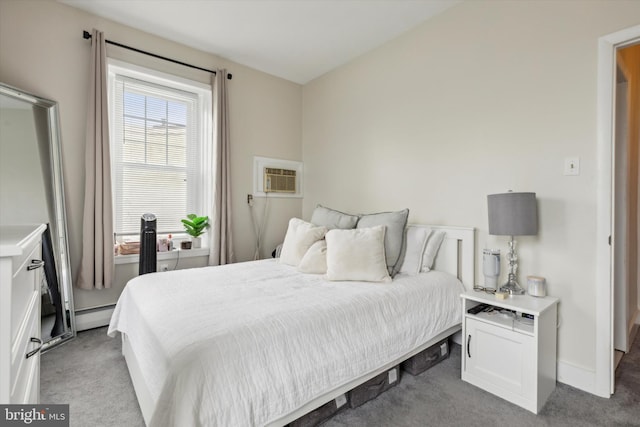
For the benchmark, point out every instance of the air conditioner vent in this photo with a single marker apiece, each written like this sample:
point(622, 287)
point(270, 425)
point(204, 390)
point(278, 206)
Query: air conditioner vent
point(279, 180)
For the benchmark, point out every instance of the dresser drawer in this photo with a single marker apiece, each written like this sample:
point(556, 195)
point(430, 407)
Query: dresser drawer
point(25, 371)
point(26, 280)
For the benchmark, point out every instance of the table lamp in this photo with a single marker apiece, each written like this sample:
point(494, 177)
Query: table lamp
point(513, 214)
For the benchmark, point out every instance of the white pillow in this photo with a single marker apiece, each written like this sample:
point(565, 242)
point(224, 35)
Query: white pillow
point(433, 245)
point(315, 260)
point(299, 238)
point(357, 254)
point(416, 242)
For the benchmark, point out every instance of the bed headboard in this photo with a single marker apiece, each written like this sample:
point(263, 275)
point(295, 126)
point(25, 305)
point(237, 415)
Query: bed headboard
point(456, 255)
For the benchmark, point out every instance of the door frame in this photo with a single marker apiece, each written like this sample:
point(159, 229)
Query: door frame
point(620, 223)
point(605, 363)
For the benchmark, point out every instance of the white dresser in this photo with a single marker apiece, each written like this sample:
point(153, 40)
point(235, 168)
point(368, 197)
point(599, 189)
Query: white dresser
point(20, 343)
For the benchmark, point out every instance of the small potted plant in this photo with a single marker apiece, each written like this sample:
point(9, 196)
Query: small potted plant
point(195, 226)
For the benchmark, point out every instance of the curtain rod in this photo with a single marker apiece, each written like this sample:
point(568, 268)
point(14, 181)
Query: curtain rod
point(87, 35)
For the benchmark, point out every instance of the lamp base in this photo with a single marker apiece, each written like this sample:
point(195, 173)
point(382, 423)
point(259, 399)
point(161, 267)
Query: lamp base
point(512, 288)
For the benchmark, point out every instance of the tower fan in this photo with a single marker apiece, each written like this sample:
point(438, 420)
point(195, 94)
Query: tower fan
point(147, 244)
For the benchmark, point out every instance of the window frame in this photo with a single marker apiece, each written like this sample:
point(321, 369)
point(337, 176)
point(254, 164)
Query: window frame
point(204, 133)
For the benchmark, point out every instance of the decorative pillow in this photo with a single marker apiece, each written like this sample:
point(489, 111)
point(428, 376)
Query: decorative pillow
point(433, 245)
point(416, 242)
point(315, 260)
point(357, 254)
point(333, 219)
point(395, 222)
point(299, 238)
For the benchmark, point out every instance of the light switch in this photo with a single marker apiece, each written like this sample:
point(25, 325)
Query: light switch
point(572, 166)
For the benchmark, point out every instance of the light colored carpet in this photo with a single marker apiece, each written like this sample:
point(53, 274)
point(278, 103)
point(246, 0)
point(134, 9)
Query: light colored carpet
point(90, 374)
point(438, 397)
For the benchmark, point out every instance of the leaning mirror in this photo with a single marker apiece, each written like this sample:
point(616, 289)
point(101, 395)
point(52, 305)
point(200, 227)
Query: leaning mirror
point(32, 192)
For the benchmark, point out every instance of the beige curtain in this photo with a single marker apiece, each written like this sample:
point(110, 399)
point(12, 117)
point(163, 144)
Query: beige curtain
point(96, 270)
point(221, 244)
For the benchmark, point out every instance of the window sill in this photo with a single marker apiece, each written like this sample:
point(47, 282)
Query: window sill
point(162, 256)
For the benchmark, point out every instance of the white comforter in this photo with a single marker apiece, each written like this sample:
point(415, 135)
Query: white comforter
point(245, 344)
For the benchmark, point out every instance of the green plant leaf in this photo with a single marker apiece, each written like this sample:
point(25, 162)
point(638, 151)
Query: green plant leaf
point(188, 223)
point(195, 225)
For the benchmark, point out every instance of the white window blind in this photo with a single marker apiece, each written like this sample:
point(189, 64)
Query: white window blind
point(157, 153)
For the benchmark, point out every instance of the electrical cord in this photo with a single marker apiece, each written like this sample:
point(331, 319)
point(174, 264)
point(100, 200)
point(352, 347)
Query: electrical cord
point(264, 221)
point(177, 260)
point(258, 228)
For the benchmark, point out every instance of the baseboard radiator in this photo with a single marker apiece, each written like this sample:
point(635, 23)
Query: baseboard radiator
point(94, 317)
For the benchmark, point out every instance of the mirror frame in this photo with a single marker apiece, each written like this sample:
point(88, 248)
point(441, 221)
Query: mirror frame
point(59, 230)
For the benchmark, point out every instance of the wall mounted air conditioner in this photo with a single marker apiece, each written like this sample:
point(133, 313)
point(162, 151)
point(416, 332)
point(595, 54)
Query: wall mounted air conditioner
point(279, 180)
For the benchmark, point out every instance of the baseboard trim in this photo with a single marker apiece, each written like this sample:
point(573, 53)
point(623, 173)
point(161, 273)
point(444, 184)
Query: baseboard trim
point(577, 377)
point(93, 318)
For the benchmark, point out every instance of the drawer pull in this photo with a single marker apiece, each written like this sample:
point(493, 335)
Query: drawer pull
point(468, 346)
point(35, 264)
point(33, 352)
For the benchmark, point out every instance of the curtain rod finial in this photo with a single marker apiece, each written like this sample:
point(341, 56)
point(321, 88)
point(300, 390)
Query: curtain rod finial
point(86, 34)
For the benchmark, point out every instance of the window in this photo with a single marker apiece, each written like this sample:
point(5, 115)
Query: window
point(160, 146)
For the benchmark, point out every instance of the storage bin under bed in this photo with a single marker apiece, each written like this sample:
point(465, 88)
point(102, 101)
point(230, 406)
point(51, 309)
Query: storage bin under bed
point(377, 385)
point(374, 387)
point(427, 358)
point(321, 414)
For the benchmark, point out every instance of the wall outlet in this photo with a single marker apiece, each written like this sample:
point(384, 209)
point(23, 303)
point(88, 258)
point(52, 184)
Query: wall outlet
point(572, 166)
point(163, 267)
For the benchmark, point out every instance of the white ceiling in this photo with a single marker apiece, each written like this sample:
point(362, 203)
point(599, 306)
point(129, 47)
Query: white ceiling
point(297, 40)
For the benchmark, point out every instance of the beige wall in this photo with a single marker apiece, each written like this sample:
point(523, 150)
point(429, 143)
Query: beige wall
point(488, 96)
point(42, 51)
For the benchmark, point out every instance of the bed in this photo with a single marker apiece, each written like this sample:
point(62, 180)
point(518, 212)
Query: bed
point(259, 343)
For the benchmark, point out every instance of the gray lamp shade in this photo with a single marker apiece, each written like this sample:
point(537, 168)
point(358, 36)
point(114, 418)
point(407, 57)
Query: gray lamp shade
point(513, 214)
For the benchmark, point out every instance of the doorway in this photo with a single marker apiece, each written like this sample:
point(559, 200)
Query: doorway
point(604, 375)
point(626, 197)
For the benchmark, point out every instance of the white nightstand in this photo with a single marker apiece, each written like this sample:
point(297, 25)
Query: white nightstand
point(511, 356)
